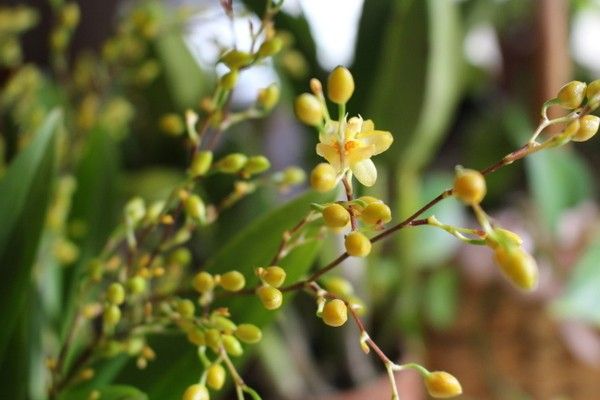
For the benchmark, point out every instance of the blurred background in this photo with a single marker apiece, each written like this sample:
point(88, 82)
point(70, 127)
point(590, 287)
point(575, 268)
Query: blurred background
point(456, 82)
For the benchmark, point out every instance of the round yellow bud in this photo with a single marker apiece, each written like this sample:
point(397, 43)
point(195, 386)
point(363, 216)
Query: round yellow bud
point(115, 294)
point(112, 315)
point(196, 392)
point(442, 385)
point(336, 216)
point(232, 281)
point(248, 333)
point(203, 282)
point(186, 308)
point(232, 346)
point(357, 244)
point(231, 163)
point(270, 47)
point(517, 266)
point(273, 276)
point(201, 163)
point(229, 80)
point(268, 97)
point(215, 376)
point(308, 109)
point(571, 130)
point(593, 94)
point(588, 126)
point(335, 313)
point(181, 256)
point(571, 95)
point(376, 213)
point(469, 186)
point(340, 85)
point(323, 178)
point(270, 297)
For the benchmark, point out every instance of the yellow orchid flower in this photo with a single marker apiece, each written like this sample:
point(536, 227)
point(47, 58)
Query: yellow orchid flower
point(353, 149)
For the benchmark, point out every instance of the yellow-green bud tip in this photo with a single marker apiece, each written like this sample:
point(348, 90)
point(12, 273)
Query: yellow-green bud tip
point(442, 385)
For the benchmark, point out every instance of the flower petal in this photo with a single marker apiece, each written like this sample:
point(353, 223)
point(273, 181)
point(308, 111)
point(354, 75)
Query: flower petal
point(365, 172)
point(382, 140)
point(359, 153)
point(329, 153)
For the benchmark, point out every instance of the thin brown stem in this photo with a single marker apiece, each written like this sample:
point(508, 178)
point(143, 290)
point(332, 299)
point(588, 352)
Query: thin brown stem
point(350, 196)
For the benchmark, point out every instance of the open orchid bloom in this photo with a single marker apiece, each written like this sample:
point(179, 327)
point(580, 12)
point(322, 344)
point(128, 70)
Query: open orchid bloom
point(353, 150)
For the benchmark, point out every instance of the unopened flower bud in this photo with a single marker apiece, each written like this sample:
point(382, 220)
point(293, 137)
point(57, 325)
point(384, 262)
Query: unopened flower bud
point(335, 313)
point(308, 109)
point(196, 392)
point(232, 281)
point(229, 80)
point(268, 97)
point(571, 95)
point(357, 244)
point(336, 216)
point(236, 59)
point(232, 346)
point(248, 333)
point(195, 208)
point(273, 276)
point(270, 47)
point(231, 163)
point(215, 376)
point(340, 85)
point(469, 186)
point(323, 177)
point(588, 126)
point(256, 165)
point(442, 385)
point(270, 297)
point(201, 163)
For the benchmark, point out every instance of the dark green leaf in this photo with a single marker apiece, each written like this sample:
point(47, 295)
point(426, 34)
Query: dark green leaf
point(418, 82)
point(115, 392)
point(24, 196)
point(183, 75)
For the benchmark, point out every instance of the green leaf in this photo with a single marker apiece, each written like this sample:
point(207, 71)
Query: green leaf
point(183, 74)
point(253, 246)
point(441, 298)
point(24, 196)
point(418, 81)
point(558, 179)
point(580, 299)
point(114, 392)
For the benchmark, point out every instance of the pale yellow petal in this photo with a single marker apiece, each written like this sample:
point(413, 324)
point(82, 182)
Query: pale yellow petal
point(367, 126)
point(329, 153)
point(381, 140)
point(365, 172)
point(360, 153)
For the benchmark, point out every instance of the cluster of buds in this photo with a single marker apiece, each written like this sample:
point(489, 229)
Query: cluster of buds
point(268, 292)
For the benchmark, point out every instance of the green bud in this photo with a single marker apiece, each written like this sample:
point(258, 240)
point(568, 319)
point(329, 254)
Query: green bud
point(201, 163)
point(70, 15)
point(182, 256)
point(248, 333)
point(232, 346)
point(231, 163)
point(111, 316)
point(229, 80)
point(270, 47)
point(268, 97)
point(236, 59)
point(293, 176)
point(223, 324)
point(195, 208)
point(186, 308)
point(115, 294)
point(136, 285)
point(256, 165)
point(213, 339)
